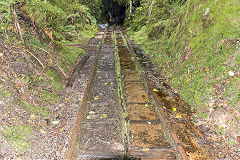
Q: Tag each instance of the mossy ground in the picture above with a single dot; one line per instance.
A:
(49, 97)
(19, 136)
(4, 92)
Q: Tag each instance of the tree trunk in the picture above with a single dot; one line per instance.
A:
(16, 24)
(131, 3)
(150, 10)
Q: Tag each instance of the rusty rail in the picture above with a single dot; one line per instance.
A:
(176, 142)
(76, 129)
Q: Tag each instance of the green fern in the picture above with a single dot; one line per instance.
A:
(46, 14)
(57, 13)
(5, 10)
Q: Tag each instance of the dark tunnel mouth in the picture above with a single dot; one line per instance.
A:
(113, 12)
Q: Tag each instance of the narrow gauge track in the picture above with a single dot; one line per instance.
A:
(119, 116)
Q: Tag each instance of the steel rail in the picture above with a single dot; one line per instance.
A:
(72, 143)
(176, 142)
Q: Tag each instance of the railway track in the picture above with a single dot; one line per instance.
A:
(120, 117)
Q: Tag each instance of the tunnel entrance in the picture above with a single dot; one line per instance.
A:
(113, 12)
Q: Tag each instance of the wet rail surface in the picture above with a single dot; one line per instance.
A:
(175, 112)
(120, 116)
(149, 138)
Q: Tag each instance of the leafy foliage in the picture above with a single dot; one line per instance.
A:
(56, 14)
(6, 15)
(194, 46)
(5, 11)
(94, 7)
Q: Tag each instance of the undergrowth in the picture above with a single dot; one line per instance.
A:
(48, 29)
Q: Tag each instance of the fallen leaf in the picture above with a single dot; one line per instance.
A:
(96, 98)
(55, 122)
(178, 116)
(61, 129)
(111, 83)
(146, 105)
(40, 77)
(88, 117)
(32, 116)
(155, 90)
(43, 131)
(174, 109)
(50, 35)
(106, 84)
(66, 99)
(103, 116)
(207, 69)
(221, 127)
(146, 149)
(113, 89)
(91, 112)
